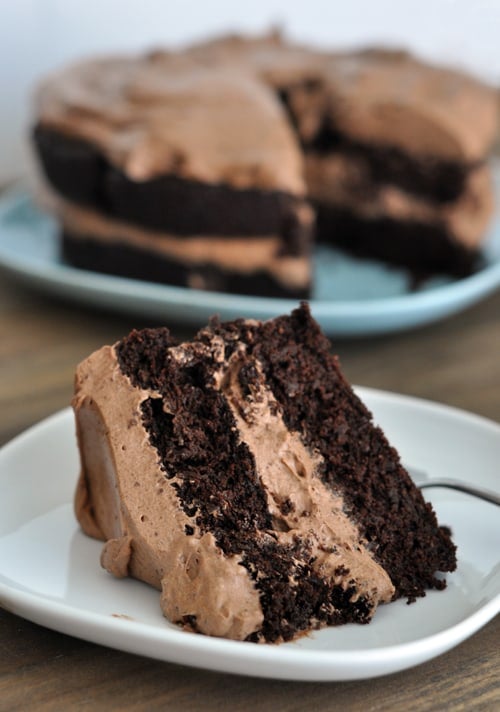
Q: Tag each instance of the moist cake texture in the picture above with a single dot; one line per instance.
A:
(239, 474)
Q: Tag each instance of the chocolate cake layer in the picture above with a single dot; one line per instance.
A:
(126, 260)
(383, 222)
(358, 461)
(422, 248)
(240, 264)
(439, 181)
(80, 172)
(435, 178)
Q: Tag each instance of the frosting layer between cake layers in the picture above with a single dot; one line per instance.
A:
(193, 260)
(339, 181)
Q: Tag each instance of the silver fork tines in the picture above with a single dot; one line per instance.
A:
(423, 481)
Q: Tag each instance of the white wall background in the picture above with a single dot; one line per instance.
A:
(37, 36)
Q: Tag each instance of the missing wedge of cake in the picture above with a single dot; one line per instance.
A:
(219, 167)
(240, 475)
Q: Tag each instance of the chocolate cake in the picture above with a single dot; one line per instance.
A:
(241, 475)
(249, 147)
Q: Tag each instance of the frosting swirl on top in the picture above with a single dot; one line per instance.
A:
(380, 96)
(157, 115)
(212, 112)
(391, 98)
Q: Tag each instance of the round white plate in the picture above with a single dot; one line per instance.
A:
(50, 573)
(351, 297)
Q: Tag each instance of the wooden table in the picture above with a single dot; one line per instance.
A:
(41, 340)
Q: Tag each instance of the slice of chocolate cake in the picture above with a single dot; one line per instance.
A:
(240, 475)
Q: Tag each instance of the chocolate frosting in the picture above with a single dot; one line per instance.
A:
(288, 471)
(241, 254)
(212, 112)
(381, 96)
(394, 99)
(270, 57)
(156, 115)
(129, 502)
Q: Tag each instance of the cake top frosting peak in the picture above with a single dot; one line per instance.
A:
(393, 98)
(154, 115)
(219, 111)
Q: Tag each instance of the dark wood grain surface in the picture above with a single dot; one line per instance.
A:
(456, 361)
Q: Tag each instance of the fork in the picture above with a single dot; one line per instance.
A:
(423, 481)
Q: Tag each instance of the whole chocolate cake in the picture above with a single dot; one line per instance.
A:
(241, 475)
(216, 166)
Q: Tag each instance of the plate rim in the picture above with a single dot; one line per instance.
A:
(405, 311)
(300, 663)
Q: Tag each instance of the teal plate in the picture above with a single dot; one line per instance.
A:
(352, 297)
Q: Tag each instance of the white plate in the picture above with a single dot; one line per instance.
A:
(351, 297)
(50, 573)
